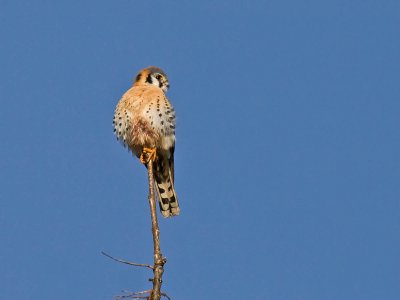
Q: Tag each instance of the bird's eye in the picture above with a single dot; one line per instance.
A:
(158, 77)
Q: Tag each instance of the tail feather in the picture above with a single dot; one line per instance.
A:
(163, 175)
(168, 201)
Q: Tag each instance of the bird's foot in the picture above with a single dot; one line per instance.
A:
(147, 155)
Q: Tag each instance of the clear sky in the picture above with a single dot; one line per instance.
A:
(287, 154)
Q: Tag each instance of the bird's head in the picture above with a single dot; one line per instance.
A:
(153, 76)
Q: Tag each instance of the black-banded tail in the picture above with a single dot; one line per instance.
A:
(163, 170)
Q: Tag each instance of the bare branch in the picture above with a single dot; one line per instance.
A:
(127, 262)
(159, 260)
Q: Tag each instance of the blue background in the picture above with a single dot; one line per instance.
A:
(287, 155)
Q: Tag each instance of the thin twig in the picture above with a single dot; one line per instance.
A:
(127, 262)
(138, 295)
(134, 295)
(131, 296)
(141, 293)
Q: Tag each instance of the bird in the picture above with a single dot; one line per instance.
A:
(144, 121)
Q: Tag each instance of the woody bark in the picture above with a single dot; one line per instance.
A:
(159, 260)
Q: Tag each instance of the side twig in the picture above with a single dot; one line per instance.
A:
(127, 262)
(138, 295)
(159, 260)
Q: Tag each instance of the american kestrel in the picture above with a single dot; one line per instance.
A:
(144, 120)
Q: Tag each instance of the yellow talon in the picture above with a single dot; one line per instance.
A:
(147, 155)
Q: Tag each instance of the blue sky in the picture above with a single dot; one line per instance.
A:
(287, 154)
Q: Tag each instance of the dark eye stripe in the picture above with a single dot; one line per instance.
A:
(148, 79)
